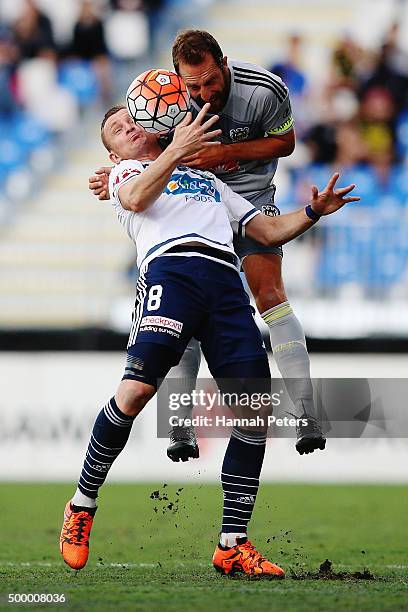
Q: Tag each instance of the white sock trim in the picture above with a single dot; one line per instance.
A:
(80, 499)
(230, 539)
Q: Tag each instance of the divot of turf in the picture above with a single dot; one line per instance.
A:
(326, 572)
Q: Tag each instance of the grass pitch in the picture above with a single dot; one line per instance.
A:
(151, 548)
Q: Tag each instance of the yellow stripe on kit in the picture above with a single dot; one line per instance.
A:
(277, 313)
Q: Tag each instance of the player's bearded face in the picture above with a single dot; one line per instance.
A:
(125, 138)
(207, 82)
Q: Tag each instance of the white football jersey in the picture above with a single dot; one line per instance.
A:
(194, 206)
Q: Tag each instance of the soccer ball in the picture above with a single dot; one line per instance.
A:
(157, 100)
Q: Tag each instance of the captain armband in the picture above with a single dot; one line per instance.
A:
(284, 127)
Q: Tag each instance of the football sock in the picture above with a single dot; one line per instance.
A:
(109, 436)
(82, 500)
(240, 482)
(289, 349)
(186, 373)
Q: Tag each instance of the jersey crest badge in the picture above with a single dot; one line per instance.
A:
(270, 210)
(239, 134)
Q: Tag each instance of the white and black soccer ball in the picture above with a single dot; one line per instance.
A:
(157, 100)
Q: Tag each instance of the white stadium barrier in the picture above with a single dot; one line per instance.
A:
(50, 400)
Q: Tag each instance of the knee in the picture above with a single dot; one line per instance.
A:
(132, 396)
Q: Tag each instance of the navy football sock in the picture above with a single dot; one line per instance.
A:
(109, 436)
(240, 482)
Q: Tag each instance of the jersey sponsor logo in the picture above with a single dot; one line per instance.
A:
(125, 174)
(270, 210)
(157, 320)
(183, 184)
(172, 186)
(282, 128)
(239, 134)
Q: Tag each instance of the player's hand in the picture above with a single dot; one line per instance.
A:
(98, 183)
(329, 200)
(211, 158)
(192, 136)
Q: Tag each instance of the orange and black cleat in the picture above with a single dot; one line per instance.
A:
(245, 559)
(75, 532)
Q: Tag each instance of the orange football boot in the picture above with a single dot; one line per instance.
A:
(74, 539)
(244, 558)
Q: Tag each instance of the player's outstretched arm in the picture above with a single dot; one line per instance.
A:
(274, 231)
(233, 153)
(189, 137)
(98, 183)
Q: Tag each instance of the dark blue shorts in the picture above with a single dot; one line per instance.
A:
(180, 297)
(264, 202)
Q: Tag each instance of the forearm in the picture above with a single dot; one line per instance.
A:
(274, 231)
(260, 148)
(142, 192)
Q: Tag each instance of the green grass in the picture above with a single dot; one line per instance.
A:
(146, 560)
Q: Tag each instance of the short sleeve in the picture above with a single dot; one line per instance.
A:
(122, 173)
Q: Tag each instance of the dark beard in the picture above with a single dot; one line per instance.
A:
(221, 99)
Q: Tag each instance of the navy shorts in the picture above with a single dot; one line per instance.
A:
(179, 297)
(264, 202)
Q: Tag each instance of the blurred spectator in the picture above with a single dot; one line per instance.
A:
(126, 5)
(345, 64)
(8, 60)
(289, 69)
(321, 142)
(33, 33)
(351, 149)
(153, 10)
(154, 13)
(386, 74)
(377, 125)
(89, 44)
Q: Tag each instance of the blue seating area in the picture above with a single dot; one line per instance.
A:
(367, 243)
(22, 134)
(80, 79)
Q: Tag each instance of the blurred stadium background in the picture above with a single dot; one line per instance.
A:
(67, 268)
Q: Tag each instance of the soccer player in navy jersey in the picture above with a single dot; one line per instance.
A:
(189, 286)
(257, 128)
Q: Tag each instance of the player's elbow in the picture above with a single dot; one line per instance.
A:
(134, 204)
(272, 240)
(263, 238)
(272, 235)
(262, 229)
(137, 206)
(288, 150)
(288, 143)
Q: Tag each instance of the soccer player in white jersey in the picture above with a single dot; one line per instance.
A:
(189, 286)
(257, 128)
